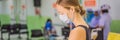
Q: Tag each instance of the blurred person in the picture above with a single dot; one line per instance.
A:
(105, 20)
(48, 26)
(95, 20)
(95, 32)
(71, 25)
(90, 15)
(50, 31)
(71, 11)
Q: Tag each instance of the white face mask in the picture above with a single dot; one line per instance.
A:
(64, 18)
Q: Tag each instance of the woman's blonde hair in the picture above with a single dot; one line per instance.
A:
(74, 3)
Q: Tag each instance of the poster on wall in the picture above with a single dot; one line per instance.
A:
(89, 3)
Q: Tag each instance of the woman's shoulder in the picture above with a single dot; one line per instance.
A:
(77, 33)
(78, 29)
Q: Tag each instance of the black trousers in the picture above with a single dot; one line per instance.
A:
(100, 34)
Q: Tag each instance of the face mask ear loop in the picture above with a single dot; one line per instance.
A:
(71, 28)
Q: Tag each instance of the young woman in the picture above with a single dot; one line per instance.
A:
(71, 11)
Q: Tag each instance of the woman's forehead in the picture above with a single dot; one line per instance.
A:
(63, 5)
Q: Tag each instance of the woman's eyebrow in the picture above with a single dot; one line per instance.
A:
(67, 7)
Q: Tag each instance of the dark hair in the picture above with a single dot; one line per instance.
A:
(49, 20)
(96, 12)
(105, 11)
(74, 3)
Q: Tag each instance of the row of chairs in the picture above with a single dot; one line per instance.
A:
(14, 29)
(19, 29)
(34, 28)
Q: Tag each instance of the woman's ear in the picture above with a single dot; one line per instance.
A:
(71, 12)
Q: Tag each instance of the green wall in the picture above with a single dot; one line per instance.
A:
(115, 26)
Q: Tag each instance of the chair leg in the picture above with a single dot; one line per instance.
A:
(9, 36)
(1, 36)
(28, 36)
(19, 36)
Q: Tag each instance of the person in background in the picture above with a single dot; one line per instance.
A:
(50, 31)
(90, 15)
(96, 34)
(95, 20)
(48, 26)
(71, 25)
(105, 20)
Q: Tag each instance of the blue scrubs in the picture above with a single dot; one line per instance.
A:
(94, 22)
(48, 26)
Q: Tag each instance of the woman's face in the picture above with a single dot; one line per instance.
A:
(69, 10)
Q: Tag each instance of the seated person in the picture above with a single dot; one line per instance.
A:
(48, 26)
(49, 29)
(71, 25)
(95, 20)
